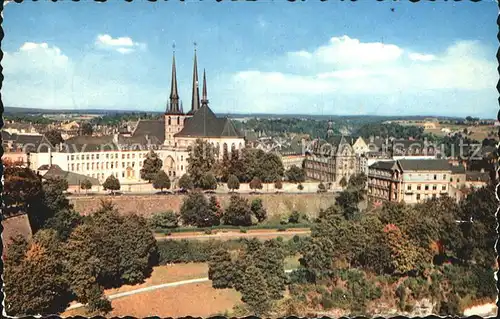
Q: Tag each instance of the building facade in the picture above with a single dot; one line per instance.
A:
(123, 155)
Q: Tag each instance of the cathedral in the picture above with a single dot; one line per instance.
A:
(123, 155)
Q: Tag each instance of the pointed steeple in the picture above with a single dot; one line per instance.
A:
(195, 97)
(173, 106)
(204, 99)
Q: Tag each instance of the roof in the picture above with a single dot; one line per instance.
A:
(424, 165)
(72, 178)
(457, 169)
(204, 123)
(31, 143)
(386, 165)
(150, 128)
(474, 176)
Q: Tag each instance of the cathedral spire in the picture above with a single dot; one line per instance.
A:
(204, 99)
(174, 94)
(195, 98)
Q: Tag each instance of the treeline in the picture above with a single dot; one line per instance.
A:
(70, 257)
(390, 130)
(314, 128)
(396, 254)
(117, 120)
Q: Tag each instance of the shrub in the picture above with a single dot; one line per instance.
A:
(281, 228)
(238, 213)
(243, 230)
(258, 210)
(208, 231)
(168, 219)
(294, 217)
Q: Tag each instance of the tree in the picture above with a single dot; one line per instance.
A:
(185, 182)
(86, 185)
(233, 183)
(54, 196)
(258, 210)
(295, 174)
(255, 184)
(348, 201)
(86, 129)
(300, 187)
(271, 167)
(215, 209)
(161, 181)
(208, 182)
(195, 211)
(111, 183)
(54, 137)
(321, 188)
(63, 222)
(168, 219)
(254, 291)
(34, 279)
(201, 160)
(238, 213)
(404, 255)
(278, 184)
(220, 269)
(151, 166)
(343, 182)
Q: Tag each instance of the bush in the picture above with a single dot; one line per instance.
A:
(294, 217)
(243, 230)
(164, 220)
(238, 213)
(258, 210)
(208, 231)
(281, 228)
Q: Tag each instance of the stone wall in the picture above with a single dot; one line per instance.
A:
(146, 205)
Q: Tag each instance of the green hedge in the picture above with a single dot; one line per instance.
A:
(228, 227)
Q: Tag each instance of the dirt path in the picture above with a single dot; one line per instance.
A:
(232, 235)
(151, 288)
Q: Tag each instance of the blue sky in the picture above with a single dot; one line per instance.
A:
(270, 57)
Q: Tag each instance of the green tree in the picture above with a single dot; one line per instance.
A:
(343, 182)
(271, 167)
(195, 211)
(278, 184)
(185, 182)
(220, 269)
(215, 209)
(300, 187)
(208, 182)
(86, 185)
(233, 182)
(255, 184)
(151, 166)
(295, 174)
(168, 219)
(35, 282)
(86, 129)
(201, 160)
(321, 188)
(54, 137)
(258, 210)
(63, 222)
(53, 194)
(161, 181)
(238, 212)
(404, 254)
(254, 291)
(111, 183)
(348, 201)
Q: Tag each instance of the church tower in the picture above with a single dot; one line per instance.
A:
(204, 99)
(195, 96)
(174, 117)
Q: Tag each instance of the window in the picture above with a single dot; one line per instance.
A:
(92, 156)
(458, 180)
(435, 177)
(434, 187)
(88, 166)
(87, 157)
(128, 156)
(409, 187)
(123, 156)
(123, 174)
(418, 187)
(112, 165)
(116, 164)
(433, 196)
(123, 164)
(444, 177)
(107, 165)
(72, 157)
(67, 157)
(451, 179)
(426, 187)
(92, 166)
(72, 167)
(182, 167)
(107, 156)
(77, 157)
(77, 167)
(97, 156)
(140, 164)
(418, 196)
(182, 158)
(444, 187)
(133, 164)
(133, 155)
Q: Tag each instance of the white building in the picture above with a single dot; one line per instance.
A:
(123, 155)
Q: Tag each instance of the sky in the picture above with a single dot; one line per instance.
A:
(311, 57)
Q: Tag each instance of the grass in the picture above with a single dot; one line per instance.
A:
(229, 227)
(292, 262)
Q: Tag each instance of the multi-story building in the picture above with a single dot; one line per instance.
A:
(170, 137)
(409, 180)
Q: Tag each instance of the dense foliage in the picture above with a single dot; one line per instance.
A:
(151, 167)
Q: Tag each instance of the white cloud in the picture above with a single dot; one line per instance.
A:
(421, 57)
(349, 67)
(347, 51)
(122, 45)
(40, 75)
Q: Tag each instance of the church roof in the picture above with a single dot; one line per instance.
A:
(154, 129)
(205, 123)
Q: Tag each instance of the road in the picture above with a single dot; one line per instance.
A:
(230, 235)
(151, 288)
